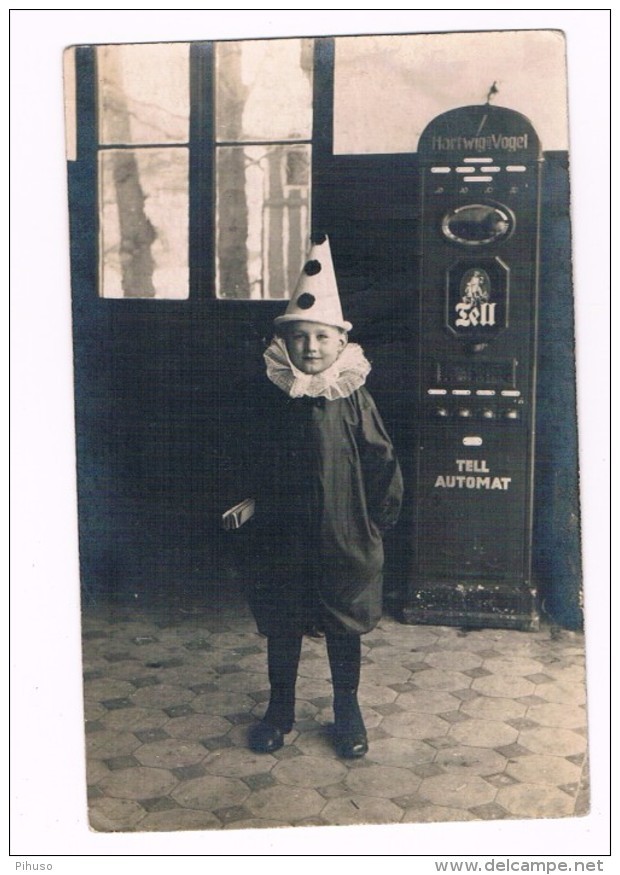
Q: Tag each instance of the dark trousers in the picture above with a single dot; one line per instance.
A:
(283, 652)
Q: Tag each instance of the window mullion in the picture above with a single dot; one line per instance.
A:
(201, 171)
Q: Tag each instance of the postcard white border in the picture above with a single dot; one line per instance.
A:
(49, 811)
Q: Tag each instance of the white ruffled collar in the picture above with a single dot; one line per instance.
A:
(340, 380)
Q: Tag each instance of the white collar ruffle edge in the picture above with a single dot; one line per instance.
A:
(340, 380)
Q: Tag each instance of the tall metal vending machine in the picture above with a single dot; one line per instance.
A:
(472, 542)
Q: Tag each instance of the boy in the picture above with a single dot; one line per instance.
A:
(327, 486)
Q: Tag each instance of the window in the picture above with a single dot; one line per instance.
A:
(263, 127)
(143, 117)
(262, 110)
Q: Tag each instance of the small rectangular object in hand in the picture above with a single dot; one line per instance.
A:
(236, 516)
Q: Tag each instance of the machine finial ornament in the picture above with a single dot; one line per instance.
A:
(493, 90)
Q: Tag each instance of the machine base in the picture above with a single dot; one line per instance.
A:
(475, 604)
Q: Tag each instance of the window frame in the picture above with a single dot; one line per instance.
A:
(201, 173)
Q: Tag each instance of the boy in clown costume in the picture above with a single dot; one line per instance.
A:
(327, 486)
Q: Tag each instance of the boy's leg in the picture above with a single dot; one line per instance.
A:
(344, 653)
(282, 660)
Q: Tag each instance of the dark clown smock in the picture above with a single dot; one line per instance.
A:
(327, 486)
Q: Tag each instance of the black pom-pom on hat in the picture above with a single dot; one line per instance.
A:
(305, 301)
(318, 237)
(312, 267)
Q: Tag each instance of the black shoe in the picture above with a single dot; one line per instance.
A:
(264, 738)
(350, 745)
(350, 740)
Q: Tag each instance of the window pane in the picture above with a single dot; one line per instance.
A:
(263, 195)
(143, 93)
(143, 219)
(264, 90)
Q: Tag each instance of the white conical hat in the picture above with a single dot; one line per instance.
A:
(316, 297)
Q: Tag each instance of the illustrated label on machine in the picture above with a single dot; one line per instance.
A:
(477, 292)
(475, 308)
(472, 474)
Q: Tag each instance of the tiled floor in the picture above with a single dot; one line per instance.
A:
(463, 725)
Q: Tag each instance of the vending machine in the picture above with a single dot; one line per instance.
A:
(480, 172)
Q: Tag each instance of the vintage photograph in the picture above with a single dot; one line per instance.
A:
(326, 431)
(310, 487)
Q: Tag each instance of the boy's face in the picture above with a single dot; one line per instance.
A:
(314, 347)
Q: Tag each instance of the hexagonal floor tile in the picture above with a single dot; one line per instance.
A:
(535, 800)
(161, 696)
(470, 760)
(141, 782)
(493, 708)
(438, 679)
(170, 753)
(457, 791)
(361, 809)
(289, 804)
(310, 771)
(558, 715)
(114, 815)
(179, 819)
(436, 814)
(211, 792)
(553, 742)
(454, 660)
(509, 687)
(412, 724)
(400, 752)
(384, 781)
(427, 701)
(538, 769)
(219, 704)
(484, 733)
(509, 666)
(238, 762)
